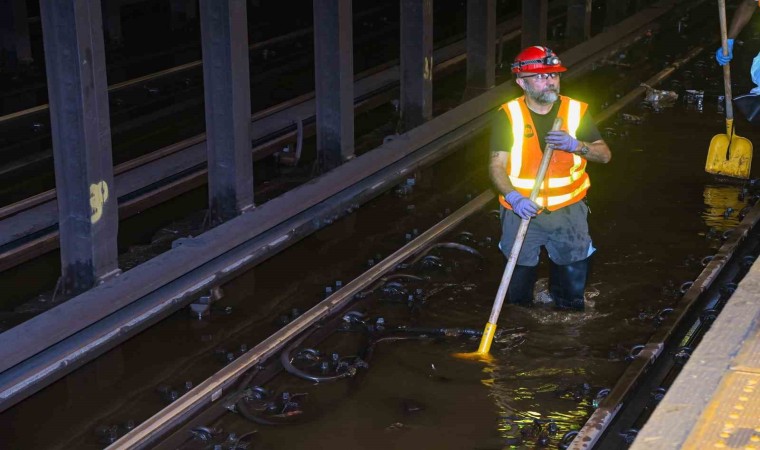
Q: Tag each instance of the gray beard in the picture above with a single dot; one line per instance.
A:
(542, 97)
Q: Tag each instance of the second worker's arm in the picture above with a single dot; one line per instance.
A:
(741, 18)
(742, 15)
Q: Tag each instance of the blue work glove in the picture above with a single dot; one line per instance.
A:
(522, 206)
(723, 60)
(560, 140)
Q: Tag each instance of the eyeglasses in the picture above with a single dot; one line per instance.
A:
(544, 76)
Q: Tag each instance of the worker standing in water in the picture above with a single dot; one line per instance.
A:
(520, 131)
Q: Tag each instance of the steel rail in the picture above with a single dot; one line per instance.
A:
(636, 93)
(54, 362)
(663, 371)
(45, 348)
(211, 390)
(603, 416)
(181, 68)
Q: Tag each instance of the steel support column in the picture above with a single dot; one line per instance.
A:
(224, 35)
(21, 32)
(416, 62)
(76, 79)
(481, 45)
(535, 15)
(578, 25)
(334, 81)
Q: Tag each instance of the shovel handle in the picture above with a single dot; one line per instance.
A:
(727, 66)
(521, 232)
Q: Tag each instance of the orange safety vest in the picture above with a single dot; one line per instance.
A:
(566, 180)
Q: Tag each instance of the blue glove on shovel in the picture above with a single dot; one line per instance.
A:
(522, 206)
(723, 60)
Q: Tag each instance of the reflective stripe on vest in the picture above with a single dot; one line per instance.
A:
(559, 189)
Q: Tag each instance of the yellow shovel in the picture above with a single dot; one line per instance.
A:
(490, 330)
(729, 155)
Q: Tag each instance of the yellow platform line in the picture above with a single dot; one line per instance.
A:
(732, 418)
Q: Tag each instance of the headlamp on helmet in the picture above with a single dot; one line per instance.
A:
(537, 59)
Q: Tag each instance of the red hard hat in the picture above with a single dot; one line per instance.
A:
(537, 59)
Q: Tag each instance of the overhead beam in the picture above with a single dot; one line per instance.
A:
(535, 15)
(226, 81)
(481, 41)
(416, 62)
(81, 132)
(334, 81)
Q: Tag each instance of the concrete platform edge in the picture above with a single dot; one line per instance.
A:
(674, 420)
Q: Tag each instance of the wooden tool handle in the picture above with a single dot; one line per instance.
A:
(521, 232)
(727, 66)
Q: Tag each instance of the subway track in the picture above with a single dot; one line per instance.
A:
(441, 321)
(676, 330)
(146, 180)
(254, 386)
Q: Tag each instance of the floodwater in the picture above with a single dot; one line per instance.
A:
(654, 215)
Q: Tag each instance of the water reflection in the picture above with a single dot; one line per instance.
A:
(538, 402)
(722, 206)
